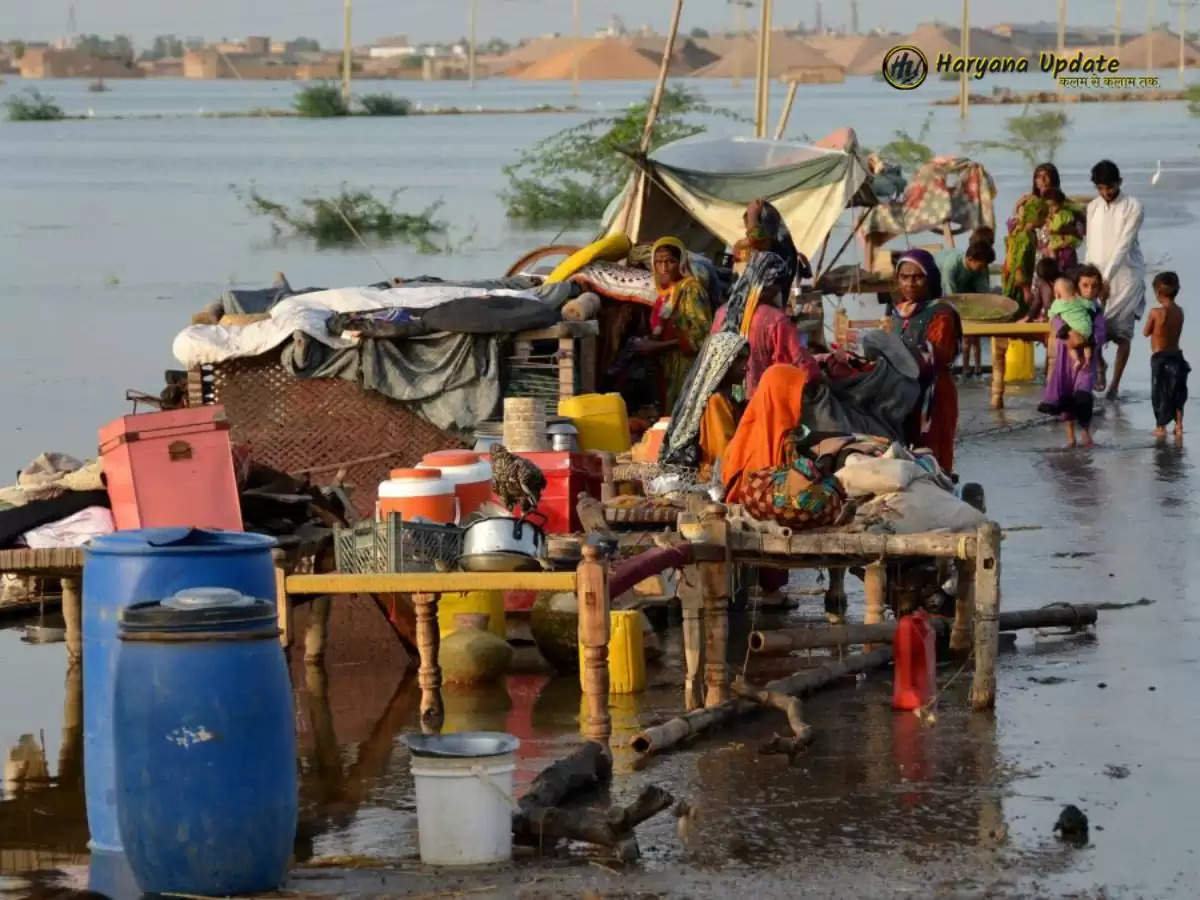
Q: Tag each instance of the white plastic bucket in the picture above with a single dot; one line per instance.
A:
(464, 808)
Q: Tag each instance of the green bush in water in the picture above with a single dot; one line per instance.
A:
(349, 214)
(570, 177)
(32, 106)
(385, 105)
(1035, 136)
(1192, 96)
(321, 101)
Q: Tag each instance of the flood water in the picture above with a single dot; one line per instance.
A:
(116, 231)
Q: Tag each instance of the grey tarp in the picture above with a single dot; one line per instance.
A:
(450, 380)
(877, 402)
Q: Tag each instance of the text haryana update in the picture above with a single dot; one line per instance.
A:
(1051, 63)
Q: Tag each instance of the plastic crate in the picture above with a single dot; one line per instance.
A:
(395, 545)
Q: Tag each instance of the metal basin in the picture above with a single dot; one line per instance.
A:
(464, 744)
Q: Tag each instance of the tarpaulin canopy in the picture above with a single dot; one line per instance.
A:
(702, 184)
(953, 191)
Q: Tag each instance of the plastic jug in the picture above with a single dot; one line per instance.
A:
(1018, 361)
(915, 658)
(600, 419)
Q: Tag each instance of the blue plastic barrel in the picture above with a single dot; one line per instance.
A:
(131, 567)
(205, 745)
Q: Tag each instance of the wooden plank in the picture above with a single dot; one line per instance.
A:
(564, 329)
(429, 582)
(1006, 329)
(836, 543)
(46, 561)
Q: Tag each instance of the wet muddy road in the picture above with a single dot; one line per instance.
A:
(880, 805)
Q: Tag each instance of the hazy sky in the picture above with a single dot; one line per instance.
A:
(446, 19)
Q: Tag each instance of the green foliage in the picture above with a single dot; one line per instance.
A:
(385, 105)
(321, 101)
(570, 177)
(906, 151)
(18, 50)
(1035, 136)
(1192, 96)
(349, 214)
(32, 106)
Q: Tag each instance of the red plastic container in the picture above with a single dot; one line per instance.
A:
(567, 474)
(171, 468)
(915, 677)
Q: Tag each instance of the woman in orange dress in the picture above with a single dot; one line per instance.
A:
(932, 330)
(775, 409)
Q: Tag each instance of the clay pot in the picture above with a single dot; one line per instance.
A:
(472, 655)
(554, 624)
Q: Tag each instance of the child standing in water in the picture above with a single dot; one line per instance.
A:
(1168, 368)
(1077, 314)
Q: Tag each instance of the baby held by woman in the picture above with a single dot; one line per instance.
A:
(1077, 314)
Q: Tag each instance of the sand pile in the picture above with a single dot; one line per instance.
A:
(786, 53)
(603, 59)
(858, 54)
(934, 39)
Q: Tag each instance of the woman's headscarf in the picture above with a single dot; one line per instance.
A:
(923, 260)
(1051, 170)
(685, 272)
(771, 234)
(763, 271)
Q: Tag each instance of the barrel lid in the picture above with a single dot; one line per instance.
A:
(416, 474)
(182, 539)
(449, 458)
(208, 608)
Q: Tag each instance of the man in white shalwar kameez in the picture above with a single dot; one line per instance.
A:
(1113, 222)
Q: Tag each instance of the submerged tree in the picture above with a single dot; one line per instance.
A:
(349, 215)
(571, 176)
(1192, 96)
(1035, 136)
(905, 150)
(32, 106)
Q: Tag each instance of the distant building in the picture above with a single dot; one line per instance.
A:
(52, 63)
(258, 45)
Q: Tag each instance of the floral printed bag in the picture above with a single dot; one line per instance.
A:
(797, 495)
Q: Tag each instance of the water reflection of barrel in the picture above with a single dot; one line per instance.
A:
(136, 566)
(205, 746)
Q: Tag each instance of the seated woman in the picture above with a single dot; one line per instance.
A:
(680, 320)
(773, 336)
(932, 330)
(758, 443)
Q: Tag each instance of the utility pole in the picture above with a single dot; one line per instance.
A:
(764, 71)
(965, 49)
(1117, 31)
(1062, 36)
(1183, 6)
(346, 62)
(1149, 35)
(739, 31)
(575, 55)
(471, 11)
(818, 25)
(854, 16)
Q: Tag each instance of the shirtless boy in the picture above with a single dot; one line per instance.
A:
(1168, 368)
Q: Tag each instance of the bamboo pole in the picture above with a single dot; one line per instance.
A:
(429, 675)
(987, 625)
(576, 48)
(1117, 30)
(936, 544)
(784, 115)
(965, 42)
(660, 86)
(594, 631)
(471, 15)
(787, 640)
(764, 68)
(1149, 35)
(347, 62)
(72, 610)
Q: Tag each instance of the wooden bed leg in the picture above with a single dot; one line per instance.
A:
(318, 629)
(875, 594)
(835, 596)
(691, 602)
(714, 584)
(964, 609)
(72, 610)
(987, 611)
(594, 629)
(429, 675)
(999, 356)
(283, 603)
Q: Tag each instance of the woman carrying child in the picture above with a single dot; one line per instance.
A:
(1069, 385)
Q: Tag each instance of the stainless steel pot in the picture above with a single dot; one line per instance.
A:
(564, 436)
(503, 543)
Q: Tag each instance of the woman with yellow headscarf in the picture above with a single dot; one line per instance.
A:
(681, 318)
